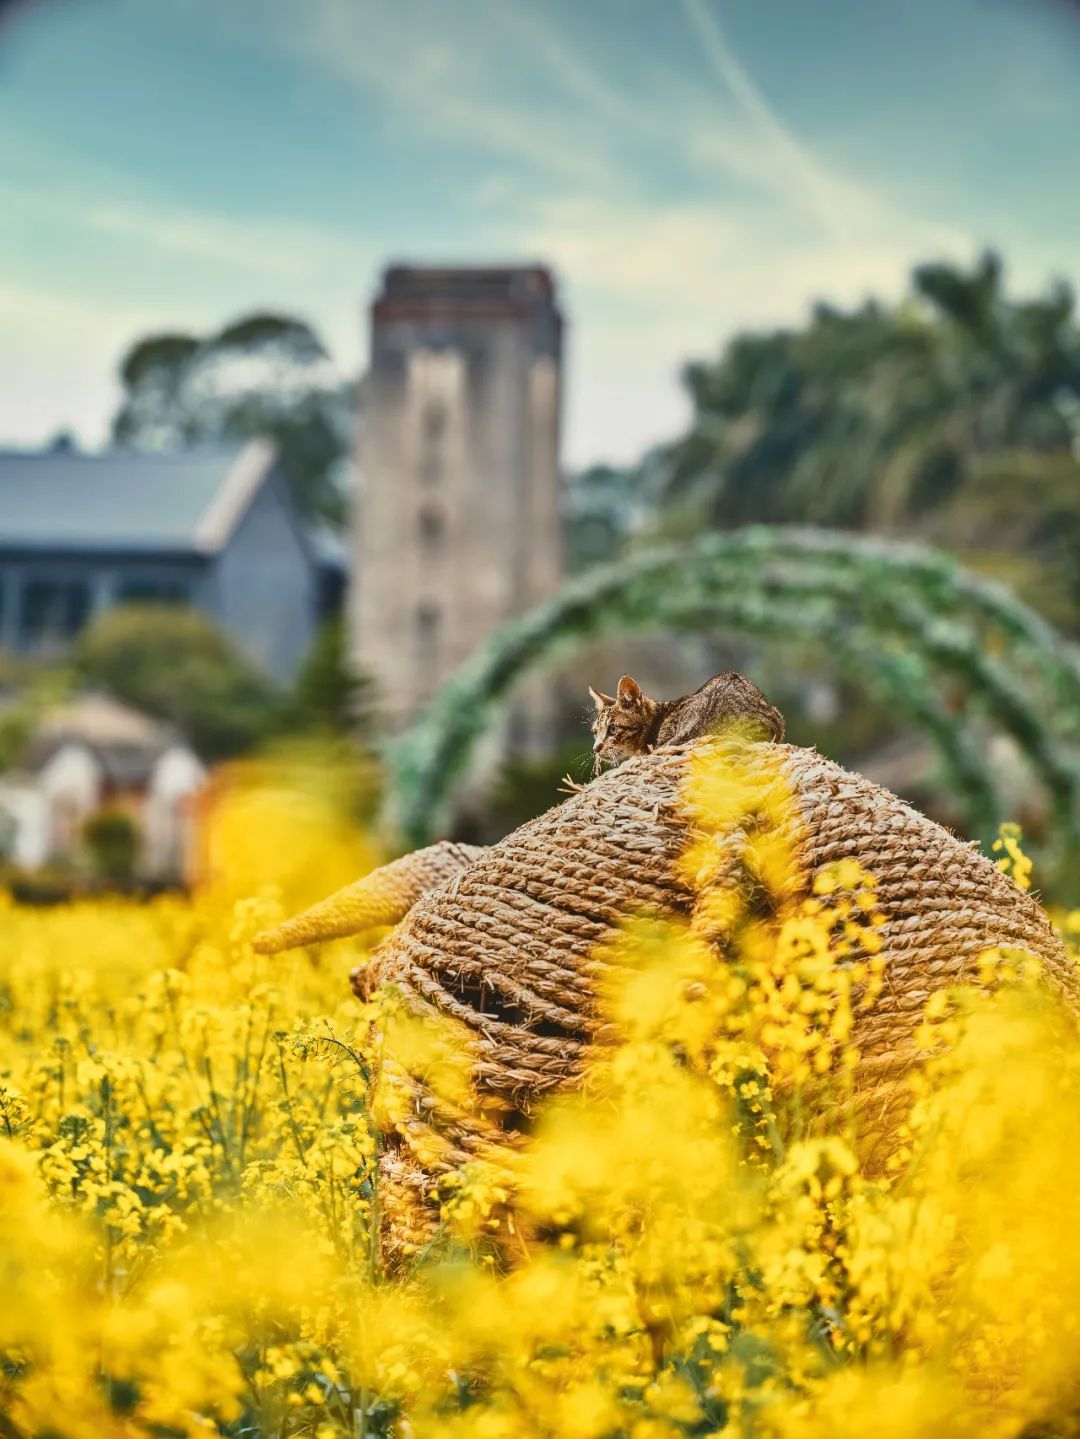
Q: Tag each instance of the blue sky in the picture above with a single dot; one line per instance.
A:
(689, 167)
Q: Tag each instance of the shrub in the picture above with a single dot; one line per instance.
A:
(177, 665)
(112, 843)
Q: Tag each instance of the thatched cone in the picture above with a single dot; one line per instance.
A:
(512, 947)
(383, 897)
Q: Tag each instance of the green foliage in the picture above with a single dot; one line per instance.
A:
(333, 769)
(525, 788)
(601, 508)
(158, 357)
(264, 374)
(946, 652)
(28, 689)
(16, 724)
(331, 695)
(891, 418)
(177, 665)
(252, 331)
(112, 843)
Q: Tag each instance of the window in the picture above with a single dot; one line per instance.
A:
(428, 628)
(52, 609)
(153, 592)
(432, 433)
(434, 422)
(430, 524)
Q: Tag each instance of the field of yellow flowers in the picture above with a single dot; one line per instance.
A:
(191, 1219)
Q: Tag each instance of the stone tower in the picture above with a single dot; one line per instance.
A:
(458, 524)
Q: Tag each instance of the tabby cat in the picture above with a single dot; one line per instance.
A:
(629, 722)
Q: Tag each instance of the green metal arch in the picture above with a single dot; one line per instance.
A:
(908, 621)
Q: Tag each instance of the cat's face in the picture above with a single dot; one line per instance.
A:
(622, 723)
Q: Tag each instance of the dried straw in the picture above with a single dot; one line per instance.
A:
(509, 940)
(383, 897)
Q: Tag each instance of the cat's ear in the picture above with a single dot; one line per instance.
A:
(601, 701)
(629, 693)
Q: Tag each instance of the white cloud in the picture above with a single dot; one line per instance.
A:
(265, 245)
(648, 288)
(766, 224)
(582, 170)
(444, 72)
(62, 343)
(497, 76)
(58, 363)
(567, 65)
(795, 160)
(272, 247)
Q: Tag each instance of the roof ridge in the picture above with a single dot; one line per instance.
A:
(184, 502)
(192, 453)
(228, 506)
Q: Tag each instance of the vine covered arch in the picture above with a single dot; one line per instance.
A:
(950, 651)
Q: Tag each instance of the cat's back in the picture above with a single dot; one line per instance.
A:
(725, 699)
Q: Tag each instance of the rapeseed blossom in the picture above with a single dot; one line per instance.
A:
(193, 1218)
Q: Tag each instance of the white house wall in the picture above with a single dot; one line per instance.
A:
(168, 820)
(25, 820)
(71, 782)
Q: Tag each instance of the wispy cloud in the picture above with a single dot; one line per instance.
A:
(453, 92)
(81, 389)
(503, 78)
(797, 162)
(762, 224)
(567, 65)
(675, 201)
(269, 245)
(217, 267)
(650, 287)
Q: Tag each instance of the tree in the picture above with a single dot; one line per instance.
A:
(913, 419)
(602, 507)
(265, 374)
(178, 666)
(152, 373)
(331, 695)
(867, 418)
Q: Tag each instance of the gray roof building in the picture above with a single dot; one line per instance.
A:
(215, 529)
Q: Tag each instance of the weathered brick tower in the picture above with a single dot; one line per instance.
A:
(458, 523)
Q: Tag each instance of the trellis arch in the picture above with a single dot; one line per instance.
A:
(942, 645)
